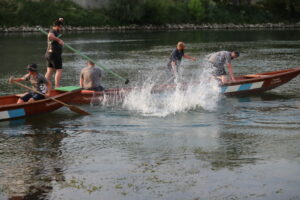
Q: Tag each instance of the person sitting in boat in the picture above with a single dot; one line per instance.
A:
(38, 81)
(218, 61)
(175, 59)
(90, 77)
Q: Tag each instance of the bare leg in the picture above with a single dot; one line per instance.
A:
(49, 73)
(58, 77)
(223, 78)
(20, 101)
(31, 100)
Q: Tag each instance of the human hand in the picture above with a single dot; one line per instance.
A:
(61, 42)
(11, 80)
(47, 95)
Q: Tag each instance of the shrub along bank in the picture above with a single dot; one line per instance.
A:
(143, 12)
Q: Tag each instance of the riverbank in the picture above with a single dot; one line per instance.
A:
(161, 27)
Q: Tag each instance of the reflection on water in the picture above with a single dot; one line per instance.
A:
(29, 164)
(31, 156)
(182, 146)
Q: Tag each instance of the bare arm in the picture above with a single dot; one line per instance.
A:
(189, 57)
(231, 72)
(81, 81)
(51, 36)
(49, 86)
(12, 79)
(18, 79)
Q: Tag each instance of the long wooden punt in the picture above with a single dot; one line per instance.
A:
(257, 83)
(244, 85)
(9, 109)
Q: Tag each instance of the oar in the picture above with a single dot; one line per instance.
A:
(71, 107)
(90, 59)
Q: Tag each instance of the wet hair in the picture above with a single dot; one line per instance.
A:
(236, 53)
(32, 67)
(59, 22)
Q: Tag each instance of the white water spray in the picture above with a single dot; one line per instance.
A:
(200, 91)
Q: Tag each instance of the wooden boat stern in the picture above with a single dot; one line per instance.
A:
(254, 83)
(9, 109)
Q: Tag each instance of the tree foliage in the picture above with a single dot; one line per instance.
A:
(43, 12)
(197, 10)
(124, 12)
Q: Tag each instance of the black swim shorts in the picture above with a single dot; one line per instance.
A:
(54, 60)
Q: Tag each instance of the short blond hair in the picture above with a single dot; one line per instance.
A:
(181, 45)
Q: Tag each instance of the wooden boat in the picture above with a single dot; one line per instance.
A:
(244, 85)
(89, 96)
(257, 83)
(9, 109)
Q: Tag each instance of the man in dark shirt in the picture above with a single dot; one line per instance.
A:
(54, 51)
(38, 81)
(176, 57)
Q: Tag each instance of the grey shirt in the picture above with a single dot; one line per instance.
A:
(39, 82)
(91, 77)
(219, 58)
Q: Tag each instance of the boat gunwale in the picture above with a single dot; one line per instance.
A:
(26, 104)
(252, 80)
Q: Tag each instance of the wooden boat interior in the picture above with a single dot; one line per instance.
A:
(6, 100)
(12, 99)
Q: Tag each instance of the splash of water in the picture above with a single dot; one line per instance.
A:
(202, 91)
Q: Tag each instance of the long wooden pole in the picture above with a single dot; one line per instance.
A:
(90, 59)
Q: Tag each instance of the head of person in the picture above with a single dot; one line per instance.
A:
(58, 24)
(234, 54)
(32, 68)
(180, 46)
(90, 63)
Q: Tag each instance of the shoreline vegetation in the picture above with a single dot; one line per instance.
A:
(26, 15)
(170, 27)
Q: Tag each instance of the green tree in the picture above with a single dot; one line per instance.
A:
(157, 11)
(125, 11)
(288, 10)
(197, 10)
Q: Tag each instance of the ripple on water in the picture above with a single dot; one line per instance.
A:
(242, 149)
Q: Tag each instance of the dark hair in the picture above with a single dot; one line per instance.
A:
(90, 62)
(32, 67)
(236, 53)
(59, 22)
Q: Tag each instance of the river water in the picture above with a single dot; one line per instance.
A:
(195, 145)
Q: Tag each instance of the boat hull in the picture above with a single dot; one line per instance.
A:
(244, 85)
(111, 95)
(10, 110)
(258, 83)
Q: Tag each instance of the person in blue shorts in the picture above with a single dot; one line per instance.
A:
(38, 81)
